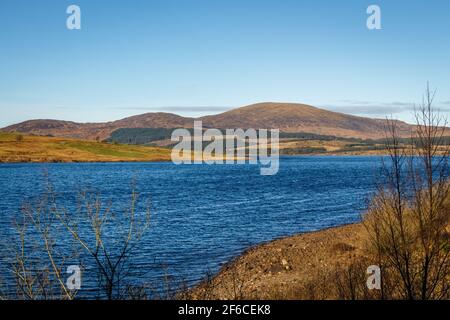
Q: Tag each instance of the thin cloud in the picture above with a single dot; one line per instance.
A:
(356, 102)
(372, 108)
(381, 108)
(178, 108)
(68, 108)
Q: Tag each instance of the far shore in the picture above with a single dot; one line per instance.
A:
(25, 160)
(20, 148)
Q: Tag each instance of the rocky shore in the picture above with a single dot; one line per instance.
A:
(286, 268)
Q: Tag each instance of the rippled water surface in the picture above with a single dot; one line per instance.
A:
(204, 215)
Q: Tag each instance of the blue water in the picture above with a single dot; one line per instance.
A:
(203, 215)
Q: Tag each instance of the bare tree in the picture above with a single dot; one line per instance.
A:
(408, 218)
(95, 232)
(37, 264)
(111, 254)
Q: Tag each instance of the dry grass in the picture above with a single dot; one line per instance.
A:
(23, 148)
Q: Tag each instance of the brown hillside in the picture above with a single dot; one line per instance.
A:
(287, 117)
(91, 131)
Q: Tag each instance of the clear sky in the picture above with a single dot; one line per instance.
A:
(195, 57)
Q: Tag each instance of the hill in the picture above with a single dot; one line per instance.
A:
(94, 131)
(287, 117)
(18, 148)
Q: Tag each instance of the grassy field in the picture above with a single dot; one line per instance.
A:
(330, 147)
(23, 148)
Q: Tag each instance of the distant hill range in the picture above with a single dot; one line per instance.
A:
(288, 117)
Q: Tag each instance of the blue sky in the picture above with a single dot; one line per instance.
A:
(195, 57)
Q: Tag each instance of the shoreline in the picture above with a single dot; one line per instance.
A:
(283, 268)
(85, 161)
(2, 161)
(18, 148)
